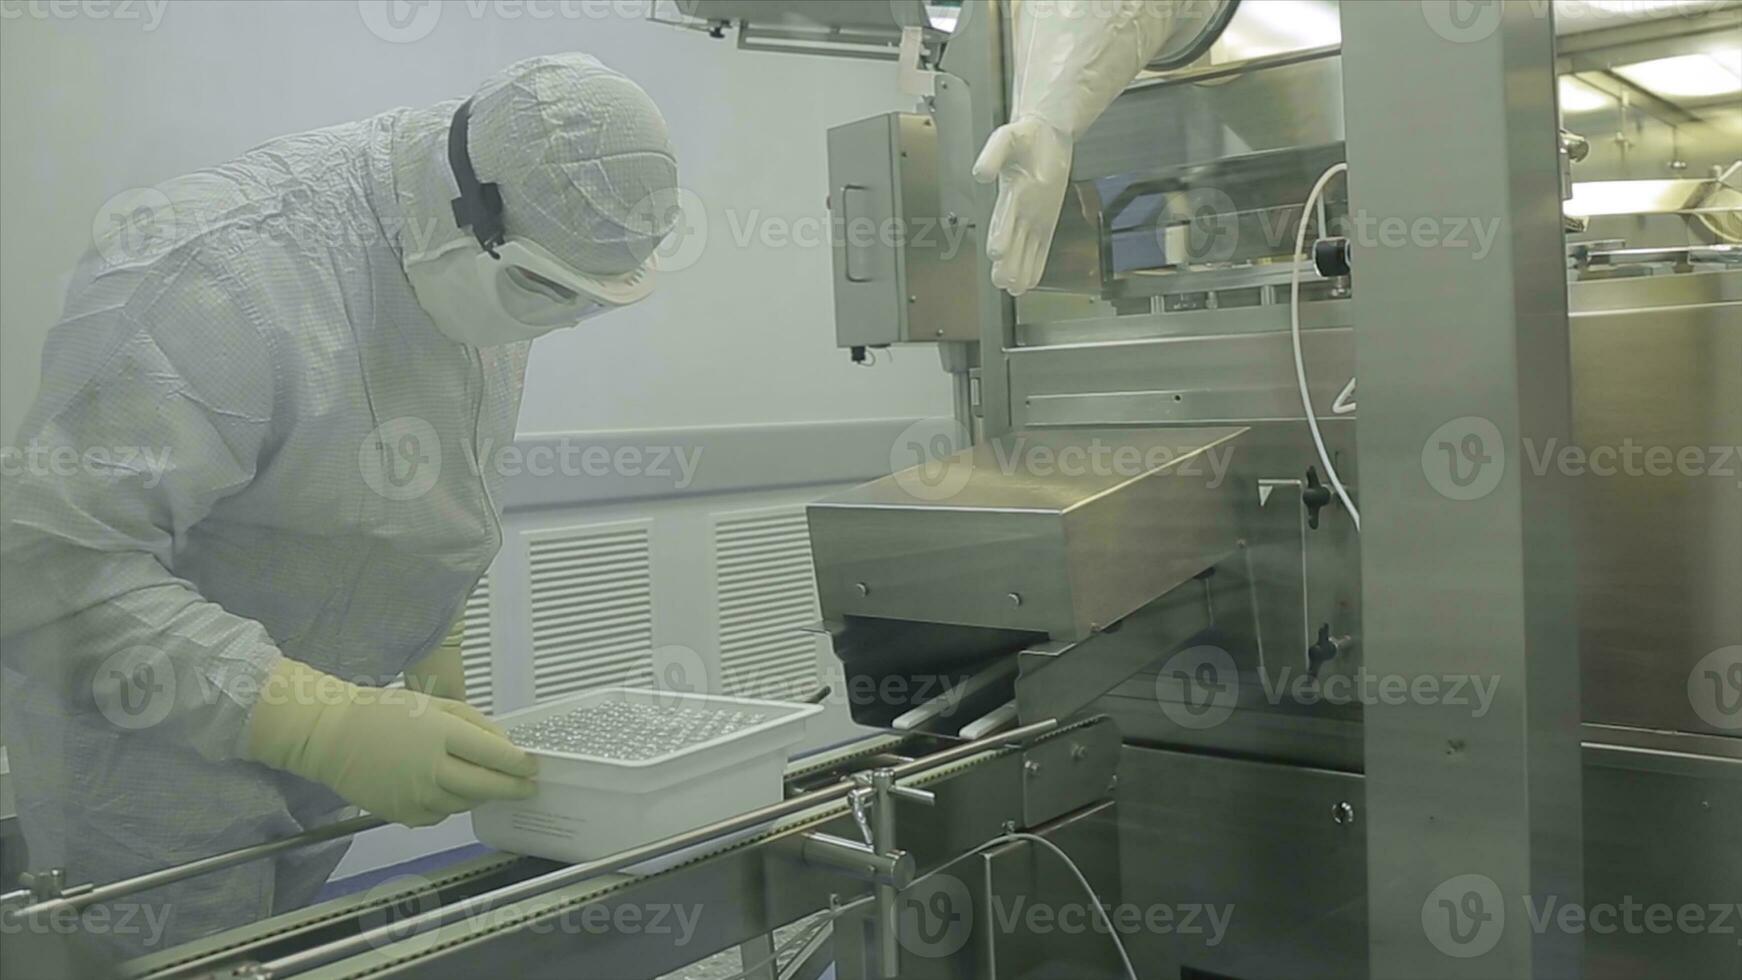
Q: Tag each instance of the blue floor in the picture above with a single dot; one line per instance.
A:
(426, 865)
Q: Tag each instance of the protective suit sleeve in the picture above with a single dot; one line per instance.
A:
(155, 404)
(1072, 59)
(442, 673)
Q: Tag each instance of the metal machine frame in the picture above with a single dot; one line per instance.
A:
(1449, 794)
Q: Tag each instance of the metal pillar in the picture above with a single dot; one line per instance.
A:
(1461, 349)
(972, 101)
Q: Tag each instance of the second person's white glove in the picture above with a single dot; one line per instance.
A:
(1073, 58)
(1031, 160)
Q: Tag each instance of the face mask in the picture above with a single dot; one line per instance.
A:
(518, 294)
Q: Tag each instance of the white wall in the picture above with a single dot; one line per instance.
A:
(90, 107)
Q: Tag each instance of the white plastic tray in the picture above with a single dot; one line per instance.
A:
(591, 805)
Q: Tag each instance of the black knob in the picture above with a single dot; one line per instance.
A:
(1322, 649)
(1316, 496)
(1331, 257)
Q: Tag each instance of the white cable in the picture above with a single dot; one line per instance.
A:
(806, 935)
(1013, 837)
(1300, 376)
(1010, 838)
(1094, 899)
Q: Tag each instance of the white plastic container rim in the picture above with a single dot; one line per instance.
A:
(785, 713)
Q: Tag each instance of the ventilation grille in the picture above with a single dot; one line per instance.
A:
(591, 593)
(475, 649)
(767, 595)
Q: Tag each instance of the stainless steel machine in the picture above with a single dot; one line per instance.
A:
(1491, 731)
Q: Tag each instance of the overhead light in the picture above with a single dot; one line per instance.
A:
(1598, 198)
(943, 18)
(1577, 16)
(1634, 9)
(1267, 27)
(1688, 76)
(1577, 96)
(1626, 7)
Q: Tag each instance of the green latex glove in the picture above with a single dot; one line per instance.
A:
(400, 754)
(442, 673)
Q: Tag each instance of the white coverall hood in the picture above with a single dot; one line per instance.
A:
(584, 165)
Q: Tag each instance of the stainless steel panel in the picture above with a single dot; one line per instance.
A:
(1457, 582)
(1178, 380)
(1248, 687)
(1657, 467)
(863, 193)
(1319, 736)
(1656, 292)
(1053, 531)
(1255, 842)
(938, 250)
(1098, 327)
(1661, 848)
(1655, 362)
(1058, 775)
(1662, 835)
(899, 263)
(1657, 742)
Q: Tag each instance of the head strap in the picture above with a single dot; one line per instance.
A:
(479, 206)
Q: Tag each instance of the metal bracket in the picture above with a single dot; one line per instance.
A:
(1060, 773)
(884, 792)
(912, 76)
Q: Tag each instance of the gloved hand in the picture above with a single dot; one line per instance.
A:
(400, 754)
(442, 674)
(1031, 160)
(1072, 59)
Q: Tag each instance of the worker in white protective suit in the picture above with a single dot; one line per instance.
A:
(1072, 59)
(316, 345)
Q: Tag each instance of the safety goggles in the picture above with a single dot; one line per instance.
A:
(529, 284)
(534, 287)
